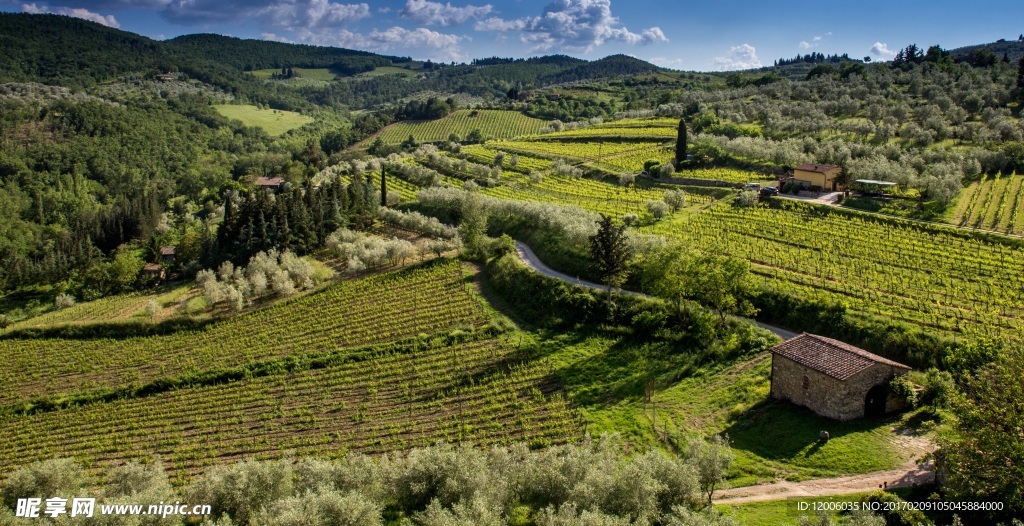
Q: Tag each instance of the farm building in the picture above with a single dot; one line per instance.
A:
(832, 378)
(167, 253)
(270, 183)
(153, 271)
(823, 176)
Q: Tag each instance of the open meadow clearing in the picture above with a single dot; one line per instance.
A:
(274, 122)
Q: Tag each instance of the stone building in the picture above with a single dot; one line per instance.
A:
(832, 378)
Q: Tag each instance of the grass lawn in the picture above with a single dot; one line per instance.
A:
(605, 376)
(274, 122)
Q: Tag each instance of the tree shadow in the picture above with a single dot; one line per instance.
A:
(780, 431)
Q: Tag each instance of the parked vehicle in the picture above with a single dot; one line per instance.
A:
(769, 191)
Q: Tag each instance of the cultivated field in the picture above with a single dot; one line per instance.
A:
(274, 122)
(378, 309)
(994, 203)
(371, 401)
(940, 279)
(491, 123)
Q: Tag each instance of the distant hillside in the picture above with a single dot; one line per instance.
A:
(1014, 49)
(610, 66)
(70, 51)
(247, 54)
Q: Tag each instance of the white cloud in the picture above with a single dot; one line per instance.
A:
(420, 42)
(436, 13)
(818, 38)
(274, 37)
(882, 50)
(743, 56)
(671, 63)
(76, 12)
(805, 44)
(311, 14)
(292, 15)
(572, 25)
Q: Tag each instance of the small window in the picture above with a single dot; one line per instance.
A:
(807, 382)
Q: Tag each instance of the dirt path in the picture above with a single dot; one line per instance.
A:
(913, 472)
(893, 478)
(531, 260)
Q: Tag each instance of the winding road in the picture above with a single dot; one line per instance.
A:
(531, 260)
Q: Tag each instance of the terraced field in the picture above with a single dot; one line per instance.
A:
(596, 196)
(370, 402)
(994, 203)
(377, 309)
(499, 124)
(583, 151)
(111, 309)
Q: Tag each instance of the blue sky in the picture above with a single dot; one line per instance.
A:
(704, 36)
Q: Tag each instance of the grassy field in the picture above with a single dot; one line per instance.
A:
(274, 122)
(321, 74)
(492, 123)
(388, 70)
(993, 203)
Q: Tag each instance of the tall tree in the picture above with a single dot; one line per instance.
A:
(383, 186)
(1020, 79)
(681, 143)
(610, 252)
(985, 454)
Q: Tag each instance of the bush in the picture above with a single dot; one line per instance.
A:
(243, 490)
(49, 478)
(938, 388)
(746, 198)
(63, 301)
(658, 209)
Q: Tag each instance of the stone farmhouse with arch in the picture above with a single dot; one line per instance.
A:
(834, 379)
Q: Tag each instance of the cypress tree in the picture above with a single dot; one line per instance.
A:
(1020, 79)
(383, 186)
(681, 143)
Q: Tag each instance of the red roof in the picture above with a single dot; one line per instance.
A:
(832, 357)
(270, 181)
(818, 168)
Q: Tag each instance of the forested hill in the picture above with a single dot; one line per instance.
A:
(71, 52)
(247, 55)
(1012, 49)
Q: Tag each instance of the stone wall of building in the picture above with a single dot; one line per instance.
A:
(825, 395)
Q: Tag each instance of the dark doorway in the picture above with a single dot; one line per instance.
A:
(874, 402)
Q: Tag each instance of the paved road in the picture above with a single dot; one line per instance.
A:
(531, 260)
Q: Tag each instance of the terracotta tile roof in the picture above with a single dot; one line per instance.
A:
(152, 268)
(269, 181)
(831, 357)
(817, 168)
(167, 251)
